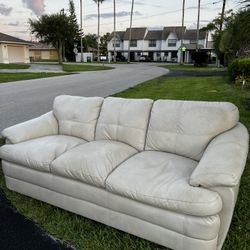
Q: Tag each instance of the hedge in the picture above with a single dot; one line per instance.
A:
(239, 67)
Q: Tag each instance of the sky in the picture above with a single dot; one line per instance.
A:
(14, 14)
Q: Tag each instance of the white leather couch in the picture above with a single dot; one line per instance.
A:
(167, 171)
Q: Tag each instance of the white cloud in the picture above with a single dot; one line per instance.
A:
(4, 10)
(37, 6)
(111, 14)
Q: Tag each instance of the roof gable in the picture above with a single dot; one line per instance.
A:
(136, 33)
(175, 29)
(154, 35)
(119, 35)
(191, 34)
(11, 39)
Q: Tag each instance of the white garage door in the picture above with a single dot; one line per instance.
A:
(16, 54)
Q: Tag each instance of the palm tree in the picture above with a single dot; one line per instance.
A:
(182, 30)
(130, 29)
(114, 31)
(98, 2)
(246, 3)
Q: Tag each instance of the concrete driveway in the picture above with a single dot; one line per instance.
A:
(23, 100)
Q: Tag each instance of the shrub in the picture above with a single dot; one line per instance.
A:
(239, 67)
(200, 58)
(243, 80)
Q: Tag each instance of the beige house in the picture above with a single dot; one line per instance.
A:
(41, 51)
(13, 50)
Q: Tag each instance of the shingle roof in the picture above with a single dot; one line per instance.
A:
(174, 29)
(41, 46)
(192, 46)
(136, 33)
(12, 39)
(119, 34)
(154, 35)
(191, 34)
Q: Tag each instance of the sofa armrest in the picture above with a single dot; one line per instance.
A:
(38, 127)
(224, 159)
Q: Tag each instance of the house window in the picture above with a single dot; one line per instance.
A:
(133, 43)
(117, 43)
(152, 43)
(172, 42)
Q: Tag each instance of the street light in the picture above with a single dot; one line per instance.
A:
(81, 30)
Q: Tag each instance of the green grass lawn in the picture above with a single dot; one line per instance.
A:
(14, 66)
(192, 68)
(10, 77)
(87, 234)
(81, 67)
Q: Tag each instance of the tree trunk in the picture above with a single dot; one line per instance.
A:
(130, 29)
(182, 31)
(98, 34)
(60, 51)
(114, 31)
(198, 26)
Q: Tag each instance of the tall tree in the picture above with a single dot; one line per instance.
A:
(69, 41)
(98, 2)
(90, 41)
(114, 31)
(182, 30)
(198, 26)
(55, 29)
(104, 43)
(214, 27)
(246, 3)
(234, 39)
(130, 29)
(238, 29)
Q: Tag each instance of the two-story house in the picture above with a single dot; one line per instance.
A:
(189, 43)
(171, 42)
(122, 41)
(159, 45)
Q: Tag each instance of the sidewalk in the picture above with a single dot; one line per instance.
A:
(36, 68)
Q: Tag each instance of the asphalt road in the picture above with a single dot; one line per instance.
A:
(23, 100)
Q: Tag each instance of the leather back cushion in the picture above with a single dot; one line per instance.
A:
(77, 116)
(124, 120)
(186, 127)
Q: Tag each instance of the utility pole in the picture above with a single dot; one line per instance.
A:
(182, 30)
(114, 32)
(222, 14)
(130, 29)
(63, 44)
(221, 25)
(198, 26)
(81, 30)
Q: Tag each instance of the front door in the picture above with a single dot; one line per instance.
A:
(132, 56)
(151, 55)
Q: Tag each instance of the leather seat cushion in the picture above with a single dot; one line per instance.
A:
(186, 127)
(77, 115)
(162, 180)
(92, 162)
(124, 120)
(39, 153)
